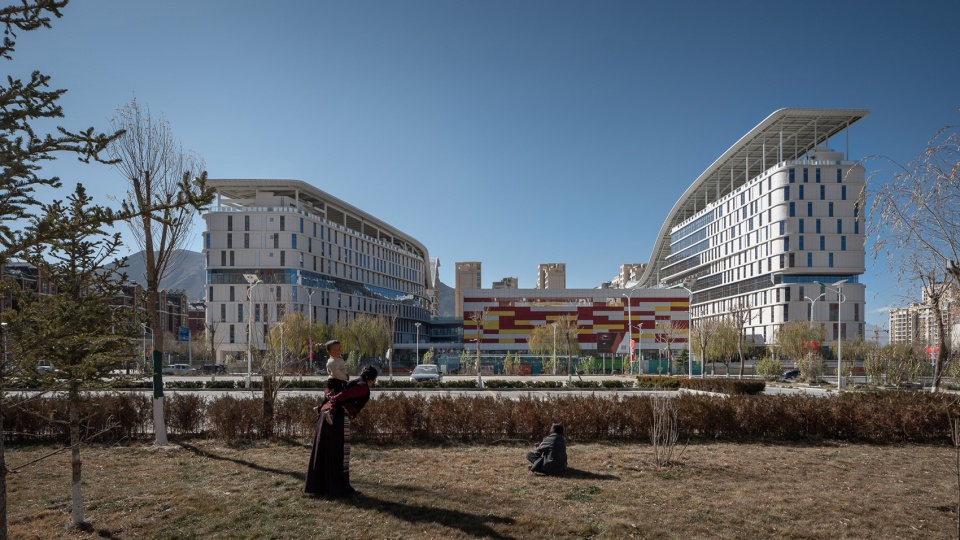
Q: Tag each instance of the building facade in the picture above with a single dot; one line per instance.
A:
(552, 276)
(312, 253)
(656, 318)
(772, 219)
(507, 283)
(916, 324)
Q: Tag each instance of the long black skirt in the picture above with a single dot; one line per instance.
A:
(328, 473)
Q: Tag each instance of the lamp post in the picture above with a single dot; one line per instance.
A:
(310, 329)
(683, 285)
(418, 342)
(838, 288)
(629, 298)
(554, 325)
(253, 280)
(813, 304)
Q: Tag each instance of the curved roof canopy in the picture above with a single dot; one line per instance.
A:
(785, 135)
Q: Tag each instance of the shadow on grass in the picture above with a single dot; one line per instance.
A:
(298, 476)
(586, 475)
(471, 524)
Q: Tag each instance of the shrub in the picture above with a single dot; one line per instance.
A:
(184, 413)
(544, 384)
(613, 384)
(219, 385)
(584, 384)
(184, 384)
(659, 382)
(725, 386)
(768, 368)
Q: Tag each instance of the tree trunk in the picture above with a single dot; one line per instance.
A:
(159, 422)
(3, 475)
(269, 399)
(942, 350)
(76, 506)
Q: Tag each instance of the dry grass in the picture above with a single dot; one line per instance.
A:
(207, 489)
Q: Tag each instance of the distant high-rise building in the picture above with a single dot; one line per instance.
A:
(917, 323)
(628, 277)
(507, 283)
(468, 277)
(552, 276)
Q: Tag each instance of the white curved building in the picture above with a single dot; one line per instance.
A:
(776, 214)
(314, 253)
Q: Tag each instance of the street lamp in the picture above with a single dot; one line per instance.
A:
(253, 280)
(554, 325)
(418, 342)
(310, 328)
(813, 304)
(629, 298)
(683, 285)
(838, 288)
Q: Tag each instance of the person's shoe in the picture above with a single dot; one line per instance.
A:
(327, 417)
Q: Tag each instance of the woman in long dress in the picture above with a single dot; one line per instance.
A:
(328, 473)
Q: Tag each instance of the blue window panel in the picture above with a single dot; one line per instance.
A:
(818, 175)
(810, 209)
(793, 177)
(781, 227)
(801, 226)
(831, 260)
(793, 209)
(823, 243)
(839, 176)
(818, 226)
(809, 260)
(786, 193)
(843, 243)
(843, 193)
(786, 243)
(831, 209)
(823, 192)
(856, 227)
(839, 226)
(800, 195)
(293, 240)
(804, 175)
(800, 247)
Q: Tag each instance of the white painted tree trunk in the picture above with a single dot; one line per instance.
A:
(159, 426)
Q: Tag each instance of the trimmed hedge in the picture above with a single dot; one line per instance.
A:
(874, 417)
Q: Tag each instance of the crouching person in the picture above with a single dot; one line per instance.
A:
(550, 457)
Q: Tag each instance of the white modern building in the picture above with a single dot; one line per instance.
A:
(771, 219)
(312, 253)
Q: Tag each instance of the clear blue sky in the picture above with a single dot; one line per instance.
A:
(508, 132)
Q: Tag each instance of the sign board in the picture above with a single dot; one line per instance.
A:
(183, 334)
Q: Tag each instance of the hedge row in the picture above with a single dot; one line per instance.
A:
(882, 417)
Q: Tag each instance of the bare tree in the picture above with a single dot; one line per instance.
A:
(916, 218)
(567, 332)
(702, 331)
(166, 188)
(478, 317)
(740, 317)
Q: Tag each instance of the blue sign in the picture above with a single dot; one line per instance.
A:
(184, 334)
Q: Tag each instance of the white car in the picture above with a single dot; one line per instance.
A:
(177, 369)
(426, 373)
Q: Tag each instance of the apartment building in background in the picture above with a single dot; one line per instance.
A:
(507, 283)
(468, 277)
(552, 276)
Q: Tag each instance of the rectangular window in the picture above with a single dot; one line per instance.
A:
(256, 312)
(786, 313)
(786, 193)
(223, 313)
(818, 175)
(831, 260)
(223, 258)
(276, 241)
(843, 193)
(809, 260)
(279, 294)
(809, 209)
(240, 312)
(843, 243)
(209, 294)
(283, 223)
(839, 226)
(856, 227)
(229, 223)
(786, 294)
(800, 195)
(839, 176)
(823, 243)
(792, 260)
(246, 240)
(232, 299)
(232, 259)
(786, 243)
(793, 209)
(283, 258)
(246, 223)
(818, 226)
(301, 225)
(801, 228)
(793, 177)
(823, 192)
(856, 312)
(804, 175)
(207, 239)
(800, 247)
(293, 241)
(830, 208)
(782, 225)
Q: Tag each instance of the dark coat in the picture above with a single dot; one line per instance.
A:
(551, 456)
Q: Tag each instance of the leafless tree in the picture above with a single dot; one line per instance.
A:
(478, 317)
(740, 317)
(161, 200)
(703, 329)
(916, 218)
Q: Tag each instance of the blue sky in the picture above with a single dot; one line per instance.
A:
(509, 132)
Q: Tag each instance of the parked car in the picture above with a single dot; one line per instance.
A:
(44, 366)
(214, 368)
(177, 369)
(790, 375)
(426, 373)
